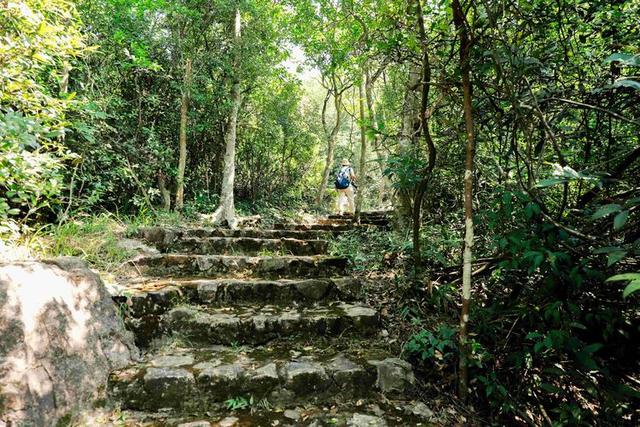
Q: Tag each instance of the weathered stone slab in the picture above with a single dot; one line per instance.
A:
(60, 336)
(247, 246)
(230, 266)
(163, 237)
(222, 373)
(167, 387)
(252, 325)
(306, 378)
(394, 375)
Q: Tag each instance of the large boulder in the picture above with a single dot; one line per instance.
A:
(60, 336)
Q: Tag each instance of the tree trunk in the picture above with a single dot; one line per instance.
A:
(424, 126)
(164, 191)
(331, 140)
(225, 213)
(373, 120)
(182, 160)
(363, 151)
(460, 21)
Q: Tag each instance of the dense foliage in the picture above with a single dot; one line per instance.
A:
(90, 99)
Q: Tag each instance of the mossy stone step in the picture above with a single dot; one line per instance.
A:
(247, 246)
(330, 227)
(202, 379)
(163, 237)
(255, 325)
(157, 297)
(270, 267)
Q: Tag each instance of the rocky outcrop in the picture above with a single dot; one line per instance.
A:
(60, 336)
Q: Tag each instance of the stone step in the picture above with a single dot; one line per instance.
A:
(163, 237)
(253, 324)
(330, 227)
(365, 215)
(151, 297)
(368, 412)
(213, 266)
(200, 380)
(247, 246)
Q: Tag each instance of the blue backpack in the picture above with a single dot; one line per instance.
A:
(342, 178)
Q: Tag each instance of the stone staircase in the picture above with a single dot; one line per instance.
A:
(258, 318)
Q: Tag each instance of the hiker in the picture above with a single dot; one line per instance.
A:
(345, 186)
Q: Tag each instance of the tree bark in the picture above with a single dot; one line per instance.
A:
(424, 125)
(331, 138)
(225, 213)
(182, 160)
(460, 21)
(373, 121)
(363, 151)
(164, 191)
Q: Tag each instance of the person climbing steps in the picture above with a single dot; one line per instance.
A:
(345, 186)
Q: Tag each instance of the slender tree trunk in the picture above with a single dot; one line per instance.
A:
(460, 21)
(164, 191)
(182, 160)
(331, 141)
(373, 120)
(363, 151)
(424, 125)
(225, 213)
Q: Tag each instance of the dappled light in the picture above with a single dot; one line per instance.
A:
(321, 212)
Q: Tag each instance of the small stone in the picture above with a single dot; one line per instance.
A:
(292, 414)
(361, 420)
(376, 410)
(228, 422)
(421, 410)
(394, 375)
(384, 333)
(133, 245)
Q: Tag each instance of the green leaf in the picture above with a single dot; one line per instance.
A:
(627, 83)
(549, 388)
(620, 219)
(624, 276)
(631, 288)
(624, 59)
(550, 182)
(592, 348)
(614, 257)
(606, 210)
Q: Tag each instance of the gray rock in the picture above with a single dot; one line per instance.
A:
(421, 410)
(394, 375)
(361, 420)
(348, 375)
(167, 387)
(60, 336)
(313, 290)
(68, 263)
(348, 287)
(136, 246)
(377, 410)
(301, 377)
(223, 373)
(173, 361)
(293, 414)
(228, 422)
